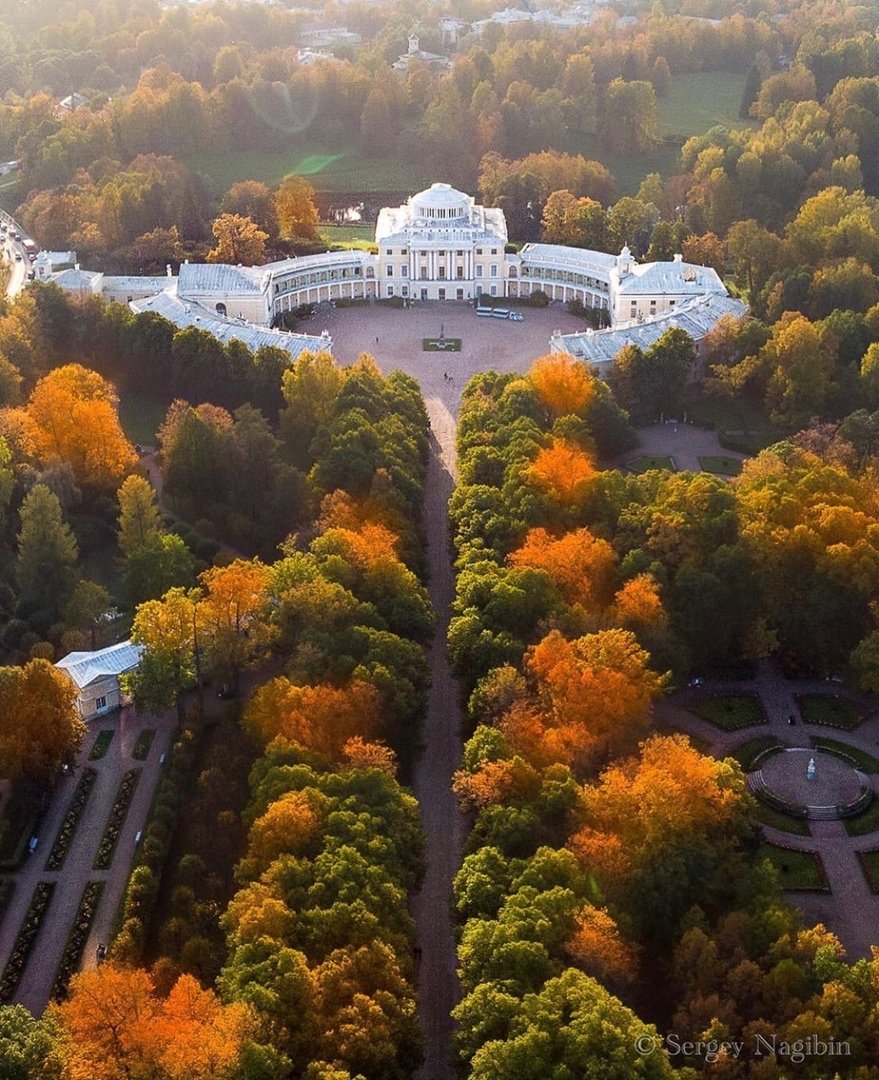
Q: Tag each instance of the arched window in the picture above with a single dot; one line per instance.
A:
(514, 272)
(221, 309)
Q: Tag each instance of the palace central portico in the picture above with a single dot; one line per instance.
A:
(441, 245)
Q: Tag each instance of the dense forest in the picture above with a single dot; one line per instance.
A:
(268, 552)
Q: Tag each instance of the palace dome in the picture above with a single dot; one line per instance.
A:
(441, 197)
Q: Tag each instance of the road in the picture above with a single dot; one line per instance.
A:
(11, 248)
(442, 822)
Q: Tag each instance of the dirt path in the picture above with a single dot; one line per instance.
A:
(443, 825)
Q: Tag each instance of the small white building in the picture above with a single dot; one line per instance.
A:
(416, 55)
(73, 101)
(96, 676)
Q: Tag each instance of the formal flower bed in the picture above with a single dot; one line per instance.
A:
(110, 838)
(77, 937)
(27, 935)
(143, 743)
(71, 819)
(101, 744)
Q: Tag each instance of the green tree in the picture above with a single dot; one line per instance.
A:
(27, 1046)
(571, 1027)
(161, 563)
(139, 518)
(753, 82)
(87, 605)
(630, 124)
(47, 554)
(168, 629)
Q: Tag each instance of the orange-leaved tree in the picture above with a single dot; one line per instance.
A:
(287, 827)
(114, 1027)
(563, 384)
(564, 470)
(72, 414)
(600, 950)
(321, 718)
(580, 565)
(234, 615)
(595, 694)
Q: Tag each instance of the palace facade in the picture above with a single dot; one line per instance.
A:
(440, 245)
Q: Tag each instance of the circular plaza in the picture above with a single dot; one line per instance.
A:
(811, 783)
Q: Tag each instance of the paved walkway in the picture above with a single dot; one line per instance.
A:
(443, 824)
(850, 910)
(682, 442)
(36, 984)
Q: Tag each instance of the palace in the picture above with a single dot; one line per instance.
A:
(440, 245)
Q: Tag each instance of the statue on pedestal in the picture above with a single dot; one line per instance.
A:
(810, 769)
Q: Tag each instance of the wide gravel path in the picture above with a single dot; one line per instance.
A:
(443, 824)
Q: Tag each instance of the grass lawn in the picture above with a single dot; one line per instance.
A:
(645, 463)
(697, 102)
(451, 344)
(776, 819)
(328, 169)
(141, 417)
(862, 759)
(722, 466)
(362, 236)
(101, 744)
(869, 861)
(748, 751)
(798, 870)
(142, 745)
(731, 713)
(836, 712)
(867, 822)
(741, 425)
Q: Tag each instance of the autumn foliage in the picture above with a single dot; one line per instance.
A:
(581, 565)
(114, 1027)
(668, 790)
(564, 386)
(599, 949)
(564, 471)
(594, 695)
(72, 415)
(322, 718)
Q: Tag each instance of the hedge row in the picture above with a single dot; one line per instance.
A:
(27, 936)
(107, 847)
(139, 901)
(76, 939)
(67, 829)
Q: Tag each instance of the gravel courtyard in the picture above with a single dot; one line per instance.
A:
(394, 337)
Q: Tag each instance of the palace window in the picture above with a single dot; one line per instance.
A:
(479, 270)
(390, 271)
(479, 251)
(494, 269)
(101, 703)
(390, 290)
(404, 270)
